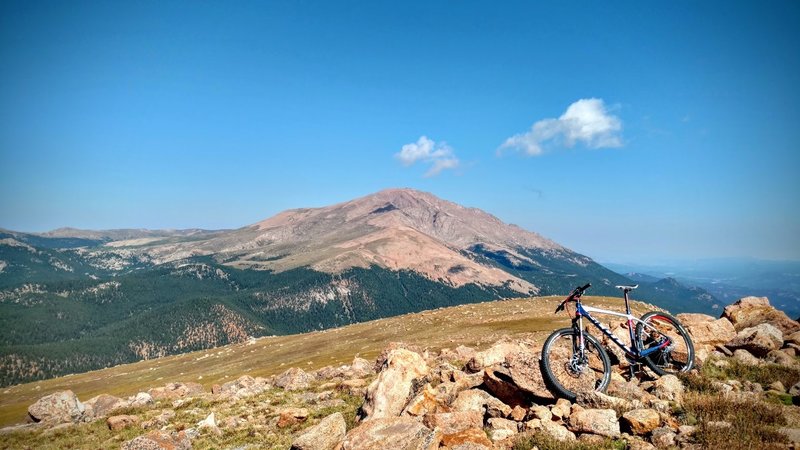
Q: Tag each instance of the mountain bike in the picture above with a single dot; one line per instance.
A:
(574, 361)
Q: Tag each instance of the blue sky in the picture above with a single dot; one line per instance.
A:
(219, 114)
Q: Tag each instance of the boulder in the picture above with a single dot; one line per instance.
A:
(501, 429)
(59, 407)
(541, 412)
(663, 437)
(380, 361)
(598, 400)
(525, 371)
(596, 421)
(478, 400)
(117, 423)
(360, 368)
(159, 440)
(427, 401)
(396, 433)
(388, 394)
(782, 358)
(495, 354)
(745, 357)
(326, 435)
(242, 387)
(469, 439)
(752, 311)
(140, 400)
(209, 423)
(758, 340)
(103, 405)
(172, 391)
(706, 330)
(291, 416)
(294, 379)
(556, 431)
(454, 422)
(668, 387)
(159, 421)
(561, 409)
(641, 421)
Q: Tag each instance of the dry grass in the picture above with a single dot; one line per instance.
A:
(476, 325)
(543, 441)
(753, 423)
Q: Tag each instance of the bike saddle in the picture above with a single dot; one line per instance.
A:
(628, 288)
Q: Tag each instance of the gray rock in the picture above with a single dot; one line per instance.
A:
(326, 435)
(56, 408)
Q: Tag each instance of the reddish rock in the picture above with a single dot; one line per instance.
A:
(326, 435)
(641, 421)
(454, 422)
(752, 311)
(117, 423)
(159, 440)
(395, 433)
(390, 391)
(103, 405)
(758, 340)
(596, 421)
(471, 438)
(294, 379)
(292, 416)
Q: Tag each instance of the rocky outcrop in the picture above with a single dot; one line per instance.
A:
(326, 435)
(641, 421)
(396, 433)
(395, 384)
(758, 340)
(59, 407)
(752, 311)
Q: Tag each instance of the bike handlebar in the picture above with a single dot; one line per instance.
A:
(576, 293)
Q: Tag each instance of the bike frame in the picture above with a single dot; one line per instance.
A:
(633, 351)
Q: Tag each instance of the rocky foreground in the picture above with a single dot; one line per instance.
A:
(745, 394)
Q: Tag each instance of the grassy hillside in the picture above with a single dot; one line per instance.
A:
(474, 325)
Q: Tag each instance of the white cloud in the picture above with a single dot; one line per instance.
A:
(587, 121)
(438, 155)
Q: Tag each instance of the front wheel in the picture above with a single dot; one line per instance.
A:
(568, 370)
(675, 352)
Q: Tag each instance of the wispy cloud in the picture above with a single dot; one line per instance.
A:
(438, 155)
(587, 122)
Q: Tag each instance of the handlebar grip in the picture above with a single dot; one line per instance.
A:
(588, 285)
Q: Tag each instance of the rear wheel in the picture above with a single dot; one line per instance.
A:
(676, 352)
(568, 371)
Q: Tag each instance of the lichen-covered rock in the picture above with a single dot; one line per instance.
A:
(561, 409)
(752, 311)
(396, 433)
(294, 379)
(668, 387)
(291, 416)
(596, 421)
(495, 354)
(478, 400)
(598, 400)
(140, 400)
(427, 401)
(454, 422)
(745, 357)
(706, 330)
(663, 437)
(117, 423)
(389, 393)
(469, 439)
(501, 429)
(172, 391)
(641, 421)
(102, 406)
(758, 340)
(58, 407)
(326, 435)
(159, 440)
(779, 357)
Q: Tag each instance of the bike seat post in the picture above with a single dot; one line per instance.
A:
(627, 305)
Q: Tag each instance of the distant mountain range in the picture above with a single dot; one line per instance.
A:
(74, 300)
